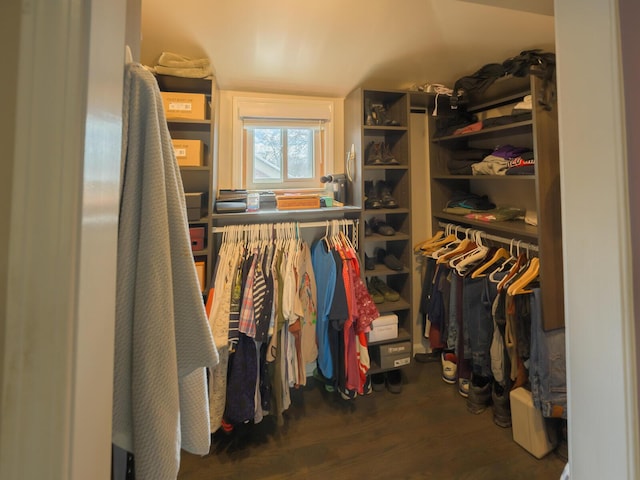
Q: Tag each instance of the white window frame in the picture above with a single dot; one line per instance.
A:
(281, 109)
(317, 128)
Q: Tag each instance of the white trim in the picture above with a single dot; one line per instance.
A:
(246, 105)
(50, 368)
(601, 350)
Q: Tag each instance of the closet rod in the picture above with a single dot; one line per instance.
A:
(495, 238)
(299, 224)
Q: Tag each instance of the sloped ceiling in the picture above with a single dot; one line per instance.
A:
(329, 47)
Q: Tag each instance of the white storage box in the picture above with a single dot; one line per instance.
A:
(528, 425)
(385, 327)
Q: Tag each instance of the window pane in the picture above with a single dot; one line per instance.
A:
(267, 154)
(299, 153)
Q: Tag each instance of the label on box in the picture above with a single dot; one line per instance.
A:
(180, 152)
(395, 348)
(180, 107)
(401, 362)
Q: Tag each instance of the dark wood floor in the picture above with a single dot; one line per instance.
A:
(425, 432)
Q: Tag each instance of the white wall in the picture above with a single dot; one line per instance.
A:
(603, 419)
(226, 145)
(59, 311)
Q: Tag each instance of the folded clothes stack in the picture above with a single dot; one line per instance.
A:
(181, 66)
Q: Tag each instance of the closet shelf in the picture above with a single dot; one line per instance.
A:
(384, 128)
(385, 211)
(403, 335)
(383, 238)
(388, 307)
(485, 177)
(385, 167)
(512, 227)
(273, 215)
(499, 102)
(511, 128)
(189, 121)
(382, 270)
(195, 169)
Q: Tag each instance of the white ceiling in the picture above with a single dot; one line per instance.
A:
(329, 47)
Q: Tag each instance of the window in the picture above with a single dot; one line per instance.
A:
(281, 142)
(283, 154)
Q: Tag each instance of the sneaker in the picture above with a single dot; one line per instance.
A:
(367, 229)
(479, 395)
(449, 367)
(373, 200)
(394, 381)
(389, 294)
(378, 381)
(463, 387)
(376, 295)
(501, 407)
(367, 388)
(369, 262)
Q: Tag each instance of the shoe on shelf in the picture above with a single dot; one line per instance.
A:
(387, 157)
(384, 195)
(378, 381)
(376, 295)
(501, 407)
(373, 154)
(369, 262)
(368, 231)
(392, 262)
(463, 387)
(479, 394)
(381, 227)
(394, 381)
(372, 201)
(389, 294)
(449, 367)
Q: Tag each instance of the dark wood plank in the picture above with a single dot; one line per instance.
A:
(425, 432)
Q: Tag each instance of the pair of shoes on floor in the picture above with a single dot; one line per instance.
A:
(378, 381)
(449, 367)
(479, 397)
(388, 294)
(394, 381)
(389, 260)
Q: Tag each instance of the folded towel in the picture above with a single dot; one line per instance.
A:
(174, 60)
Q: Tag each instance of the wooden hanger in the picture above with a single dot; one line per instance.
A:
(518, 287)
(500, 254)
(426, 243)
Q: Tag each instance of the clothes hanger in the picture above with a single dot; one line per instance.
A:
(474, 256)
(452, 241)
(424, 244)
(501, 253)
(518, 287)
(506, 264)
(462, 247)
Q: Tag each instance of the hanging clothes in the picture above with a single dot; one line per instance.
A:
(163, 342)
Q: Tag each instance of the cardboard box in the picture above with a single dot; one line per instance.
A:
(394, 355)
(195, 206)
(395, 361)
(398, 348)
(197, 238)
(184, 105)
(201, 268)
(527, 423)
(294, 202)
(188, 152)
(384, 327)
